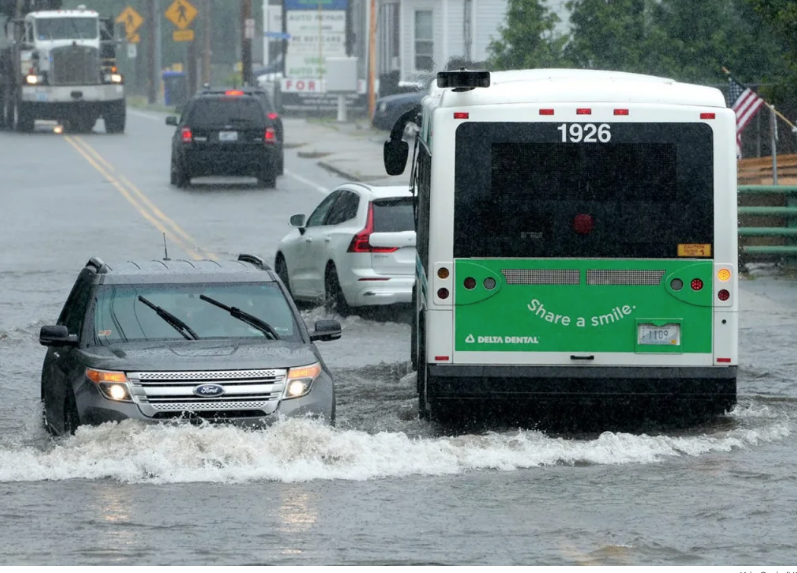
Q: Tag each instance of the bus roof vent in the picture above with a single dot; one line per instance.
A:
(463, 80)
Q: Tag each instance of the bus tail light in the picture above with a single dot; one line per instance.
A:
(461, 115)
(546, 112)
(442, 293)
(584, 111)
(186, 135)
(360, 243)
(724, 360)
(697, 284)
(470, 283)
(723, 295)
(708, 115)
(583, 224)
(621, 112)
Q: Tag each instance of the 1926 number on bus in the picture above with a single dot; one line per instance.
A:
(585, 133)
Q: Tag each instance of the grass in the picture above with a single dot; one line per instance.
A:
(140, 102)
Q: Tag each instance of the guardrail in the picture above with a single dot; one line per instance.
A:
(768, 230)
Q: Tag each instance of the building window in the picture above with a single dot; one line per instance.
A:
(424, 40)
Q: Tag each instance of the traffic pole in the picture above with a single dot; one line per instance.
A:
(206, 40)
(372, 60)
(152, 68)
(247, 33)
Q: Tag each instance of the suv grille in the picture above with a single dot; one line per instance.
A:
(173, 392)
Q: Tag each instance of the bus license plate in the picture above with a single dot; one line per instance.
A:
(667, 335)
(228, 136)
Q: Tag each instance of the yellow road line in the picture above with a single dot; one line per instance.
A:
(146, 200)
(126, 194)
(157, 217)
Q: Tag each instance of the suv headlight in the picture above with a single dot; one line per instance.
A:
(112, 385)
(300, 381)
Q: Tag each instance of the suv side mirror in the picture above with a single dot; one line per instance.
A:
(299, 222)
(326, 330)
(56, 336)
(171, 120)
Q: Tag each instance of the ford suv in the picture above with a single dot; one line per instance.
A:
(196, 340)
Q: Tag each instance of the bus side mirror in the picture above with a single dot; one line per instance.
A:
(395, 155)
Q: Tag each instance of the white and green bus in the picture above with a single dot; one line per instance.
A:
(576, 239)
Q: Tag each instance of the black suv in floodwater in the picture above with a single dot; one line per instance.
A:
(231, 132)
(166, 339)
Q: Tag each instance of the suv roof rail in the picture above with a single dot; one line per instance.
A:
(97, 264)
(257, 261)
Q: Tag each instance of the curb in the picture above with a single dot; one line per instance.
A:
(340, 172)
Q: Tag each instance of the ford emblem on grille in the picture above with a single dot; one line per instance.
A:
(209, 390)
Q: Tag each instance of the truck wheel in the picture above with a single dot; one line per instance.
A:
(115, 117)
(24, 121)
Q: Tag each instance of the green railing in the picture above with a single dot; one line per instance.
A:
(775, 230)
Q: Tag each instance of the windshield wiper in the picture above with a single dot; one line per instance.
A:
(173, 321)
(249, 319)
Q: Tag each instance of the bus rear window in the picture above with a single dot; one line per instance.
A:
(520, 192)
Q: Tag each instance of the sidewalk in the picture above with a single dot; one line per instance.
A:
(352, 150)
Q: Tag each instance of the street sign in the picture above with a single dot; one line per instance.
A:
(183, 35)
(132, 52)
(134, 39)
(181, 13)
(249, 29)
(132, 21)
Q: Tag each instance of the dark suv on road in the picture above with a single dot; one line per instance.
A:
(271, 113)
(200, 340)
(226, 133)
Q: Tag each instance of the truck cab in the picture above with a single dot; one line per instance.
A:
(64, 69)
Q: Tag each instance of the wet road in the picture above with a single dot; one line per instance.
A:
(382, 487)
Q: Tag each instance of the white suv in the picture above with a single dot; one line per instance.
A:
(356, 249)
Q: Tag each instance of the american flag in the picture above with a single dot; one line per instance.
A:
(745, 103)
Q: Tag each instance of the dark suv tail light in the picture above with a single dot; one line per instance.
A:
(361, 241)
(270, 135)
(186, 135)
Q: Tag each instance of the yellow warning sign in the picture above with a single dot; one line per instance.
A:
(687, 250)
(181, 13)
(134, 39)
(132, 21)
(183, 35)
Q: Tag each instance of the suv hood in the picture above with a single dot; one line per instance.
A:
(199, 355)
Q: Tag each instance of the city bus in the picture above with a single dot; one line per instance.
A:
(576, 240)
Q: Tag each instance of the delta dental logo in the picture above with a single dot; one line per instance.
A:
(502, 339)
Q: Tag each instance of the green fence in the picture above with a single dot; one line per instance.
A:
(768, 221)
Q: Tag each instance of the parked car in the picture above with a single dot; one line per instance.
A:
(389, 108)
(229, 133)
(357, 248)
(198, 340)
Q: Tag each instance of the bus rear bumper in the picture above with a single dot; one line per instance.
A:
(578, 383)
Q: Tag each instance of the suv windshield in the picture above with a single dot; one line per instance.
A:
(66, 28)
(234, 110)
(120, 316)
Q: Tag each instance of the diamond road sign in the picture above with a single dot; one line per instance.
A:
(181, 13)
(132, 21)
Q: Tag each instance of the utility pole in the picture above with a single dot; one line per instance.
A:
(247, 35)
(152, 68)
(372, 60)
(206, 39)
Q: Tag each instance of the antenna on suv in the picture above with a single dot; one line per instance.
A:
(165, 250)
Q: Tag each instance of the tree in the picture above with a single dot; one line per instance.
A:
(528, 39)
(781, 17)
(609, 35)
(701, 37)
